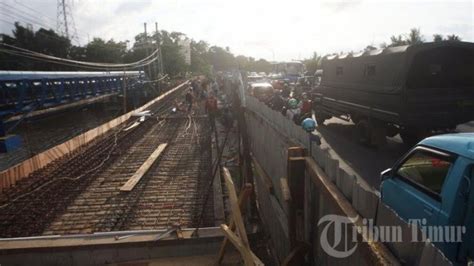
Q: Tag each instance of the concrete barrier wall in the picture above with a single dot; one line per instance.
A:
(273, 217)
(269, 144)
(271, 133)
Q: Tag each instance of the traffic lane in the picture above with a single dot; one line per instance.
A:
(367, 162)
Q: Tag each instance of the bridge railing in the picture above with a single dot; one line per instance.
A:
(24, 91)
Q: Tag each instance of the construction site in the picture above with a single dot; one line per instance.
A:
(162, 149)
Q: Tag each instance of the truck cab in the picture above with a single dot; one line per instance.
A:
(432, 185)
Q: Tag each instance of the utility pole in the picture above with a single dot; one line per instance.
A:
(147, 46)
(157, 46)
(160, 58)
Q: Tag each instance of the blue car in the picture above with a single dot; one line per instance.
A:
(432, 185)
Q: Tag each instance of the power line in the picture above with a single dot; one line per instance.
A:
(35, 32)
(21, 13)
(36, 11)
(77, 61)
(63, 61)
(14, 14)
(74, 65)
(78, 34)
(59, 38)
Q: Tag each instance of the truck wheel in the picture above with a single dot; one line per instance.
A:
(355, 119)
(362, 132)
(320, 120)
(392, 131)
(411, 137)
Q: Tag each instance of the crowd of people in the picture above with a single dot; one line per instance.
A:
(294, 103)
(202, 96)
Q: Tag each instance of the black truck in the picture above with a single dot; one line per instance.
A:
(413, 90)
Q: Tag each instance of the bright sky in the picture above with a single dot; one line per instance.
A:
(280, 30)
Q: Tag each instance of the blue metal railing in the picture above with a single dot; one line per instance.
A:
(20, 90)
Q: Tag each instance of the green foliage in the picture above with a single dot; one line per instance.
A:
(453, 37)
(98, 50)
(249, 64)
(203, 57)
(437, 38)
(415, 37)
(313, 63)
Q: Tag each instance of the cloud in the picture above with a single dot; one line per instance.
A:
(267, 28)
(132, 7)
(337, 6)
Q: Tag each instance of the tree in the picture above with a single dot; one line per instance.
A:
(313, 63)
(42, 41)
(198, 60)
(437, 38)
(397, 41)
(414, 37)
(220, 58)
(453, 37)
(99, 50)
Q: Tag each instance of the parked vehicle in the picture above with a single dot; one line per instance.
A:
(413, 90)
(434, 181)
(262, 91)
(288, 71)
(255, 79)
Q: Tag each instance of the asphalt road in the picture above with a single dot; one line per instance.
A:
(367, 162)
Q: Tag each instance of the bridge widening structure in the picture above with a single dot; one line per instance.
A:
(70, 196)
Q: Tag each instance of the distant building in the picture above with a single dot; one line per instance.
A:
(185, 50)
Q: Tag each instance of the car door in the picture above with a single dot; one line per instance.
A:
(414, 188)
(467, 246)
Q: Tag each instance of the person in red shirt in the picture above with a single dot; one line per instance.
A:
(211, 108)
(306, 105)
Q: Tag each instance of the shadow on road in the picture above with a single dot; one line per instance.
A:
(367, 162)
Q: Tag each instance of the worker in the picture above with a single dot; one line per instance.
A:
(211, 109)
(189, 99)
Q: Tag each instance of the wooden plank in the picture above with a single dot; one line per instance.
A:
(249, 257)
(296, 172)
(236, 214)
(285, 190)
(143, 169)
(377, 251)
(244, 195)
(233, 238)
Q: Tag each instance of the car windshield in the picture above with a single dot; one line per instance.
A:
(426, 169)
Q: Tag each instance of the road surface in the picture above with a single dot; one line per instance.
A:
(367, 162)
